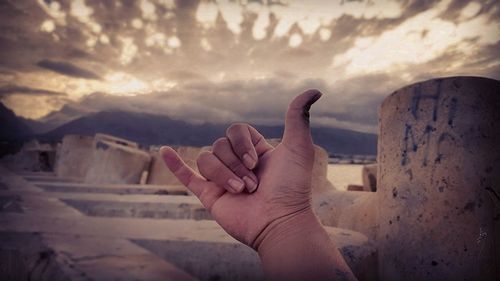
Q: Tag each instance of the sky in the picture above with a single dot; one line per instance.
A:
(237, 61)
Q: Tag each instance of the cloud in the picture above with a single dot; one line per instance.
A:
(258, 101)
(68, 69)
(419, 40)
(13, 89)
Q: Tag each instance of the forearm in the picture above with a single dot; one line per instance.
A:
(297, 247)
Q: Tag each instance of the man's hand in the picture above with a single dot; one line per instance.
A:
(244, 158)
(274, 215)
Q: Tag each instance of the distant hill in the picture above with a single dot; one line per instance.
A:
(12, 127)
(150, 129)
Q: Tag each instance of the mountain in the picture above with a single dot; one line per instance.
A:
(150, 129)
(67, 113)
(13, 127)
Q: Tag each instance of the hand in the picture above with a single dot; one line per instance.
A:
(283, 175)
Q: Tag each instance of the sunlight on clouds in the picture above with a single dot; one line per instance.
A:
(162, 84)
(148, 10)
(79, 10)
(206, 14)
(260, 25)
(232, 13)
(305, 14)
(137, 23)
(168, 4)
(295, 40)
(325, 34)
(104, 39)
(31, 106)
(416, 41)
(471, 10)
(124, 84)
(309, 25)
(129, 50)
(205, 44)
(156, 40)
(54, 11)
(174, 42)
(48, 26)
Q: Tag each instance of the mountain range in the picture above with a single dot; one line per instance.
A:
(153, 129)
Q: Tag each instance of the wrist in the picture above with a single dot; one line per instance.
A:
(286, 229)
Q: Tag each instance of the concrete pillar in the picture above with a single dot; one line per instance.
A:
(439, 181)
(74, 156)
(116, 164)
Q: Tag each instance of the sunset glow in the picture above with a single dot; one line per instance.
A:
(251, 48)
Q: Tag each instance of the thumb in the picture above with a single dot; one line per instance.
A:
(297, 135)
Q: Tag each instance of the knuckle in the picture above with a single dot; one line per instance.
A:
(235, 127)
(219, 144)
(237, 166)
(203, 158)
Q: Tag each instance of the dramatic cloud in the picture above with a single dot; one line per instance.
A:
(68, 69)
(12, 89)
(223, 61)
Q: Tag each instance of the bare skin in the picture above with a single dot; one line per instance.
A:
(261, 196)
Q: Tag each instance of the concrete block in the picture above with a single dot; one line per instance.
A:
(74, 157)
(355, 211)
(369, 175)
(117, 164)
(112, 139)
(121, 189)
(33, 157)
(439, 181)
(355, 187)
(154, 210)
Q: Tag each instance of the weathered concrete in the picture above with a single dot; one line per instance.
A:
(369, 175)
(112, 139)
(94, 244)
(121, 189)
(74, 157)
(46, 256)
(116, 163)
(355, 187)
(439, 183)
(33, 157)
(160, 210)
(356, 211)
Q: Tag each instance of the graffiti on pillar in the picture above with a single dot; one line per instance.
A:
(418, 96)
(415, 140)
(412, 142)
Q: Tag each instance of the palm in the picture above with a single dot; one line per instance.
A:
(284, 188)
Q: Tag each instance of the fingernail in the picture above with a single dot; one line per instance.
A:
(249, 161)
(236, 185)
(251, 184)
